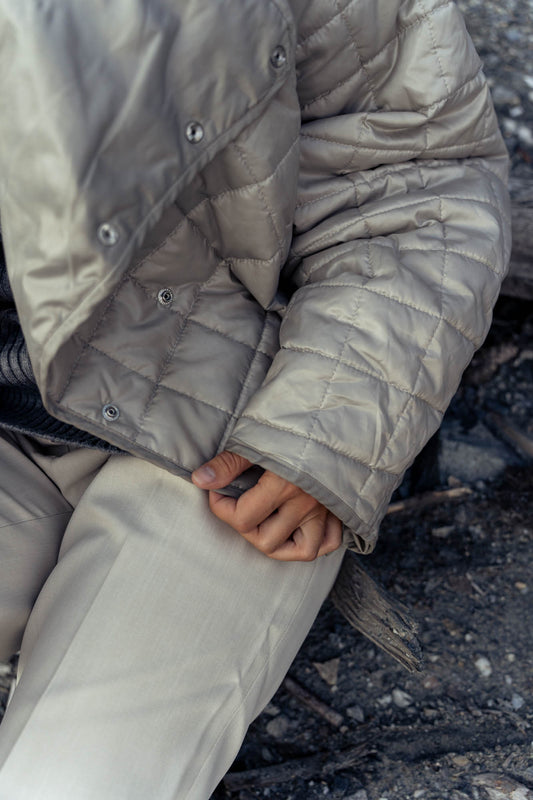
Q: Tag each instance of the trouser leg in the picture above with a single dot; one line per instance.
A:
(33, 517)
(158, 637)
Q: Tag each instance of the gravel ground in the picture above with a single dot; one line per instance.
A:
(502, 31)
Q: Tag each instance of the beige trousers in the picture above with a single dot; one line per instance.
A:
(150, 633)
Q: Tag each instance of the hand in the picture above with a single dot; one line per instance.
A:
(278, 518)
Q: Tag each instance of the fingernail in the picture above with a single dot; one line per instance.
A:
(204, 475)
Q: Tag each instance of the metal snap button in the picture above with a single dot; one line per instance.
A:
(278, 57)
(194, 132)
(108, 234)
(165, 297)
(110, 412)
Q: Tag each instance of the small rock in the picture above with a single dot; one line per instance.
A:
(359, 795)
(477, 455)
(460, 761)
(517, 701)
(510, 126)
(483, 666)
(401, 699)
(514, 34)
(501, 787)
(419, 793)
(525, 135)
(503, 95)
(5, 669)
(384, 700)
(278, 727)
(442, 532)
(521, 586)
(356, 713)
(271, 710)
(431, 682)
(328, 670)
(510, 657)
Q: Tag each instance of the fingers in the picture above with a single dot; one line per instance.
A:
(310, 541)
(257, 504)
(220, 471)
(275, 516)
(296, 528)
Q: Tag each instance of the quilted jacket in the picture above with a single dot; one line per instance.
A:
(276, 227)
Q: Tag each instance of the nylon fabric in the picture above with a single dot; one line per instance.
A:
(334, 243)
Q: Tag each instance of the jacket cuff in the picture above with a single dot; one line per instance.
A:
(343, 488)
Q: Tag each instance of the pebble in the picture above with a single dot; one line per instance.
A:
(517, 701)
(360, 795)
(328, 670)
(460, 761)
(5, 669)
(278, 726)
(503, 95)
(442, 532)
(431, 682)
(525, 135)
(514, 35)
(401, 699)
(502, 787)
(483, 666)
(384, 700)
(356, 713)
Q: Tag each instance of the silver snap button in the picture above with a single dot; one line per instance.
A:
(165, 297)
(110, 412)
(107, 234)
(278, 57)
(194, 132)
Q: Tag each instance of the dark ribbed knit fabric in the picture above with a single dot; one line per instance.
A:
(21, 408)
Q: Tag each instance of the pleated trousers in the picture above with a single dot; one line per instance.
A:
(150, 633)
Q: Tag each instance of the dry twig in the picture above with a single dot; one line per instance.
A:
(317, 765)
(312, 702)
(429, 499)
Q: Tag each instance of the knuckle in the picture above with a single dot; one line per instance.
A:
(241, 526)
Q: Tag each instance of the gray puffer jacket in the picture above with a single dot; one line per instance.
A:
(271, 226)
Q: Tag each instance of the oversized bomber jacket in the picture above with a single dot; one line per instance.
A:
(276, 227)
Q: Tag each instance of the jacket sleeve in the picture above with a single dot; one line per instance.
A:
(401, 241)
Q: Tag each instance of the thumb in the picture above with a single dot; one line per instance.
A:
(220, 471)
